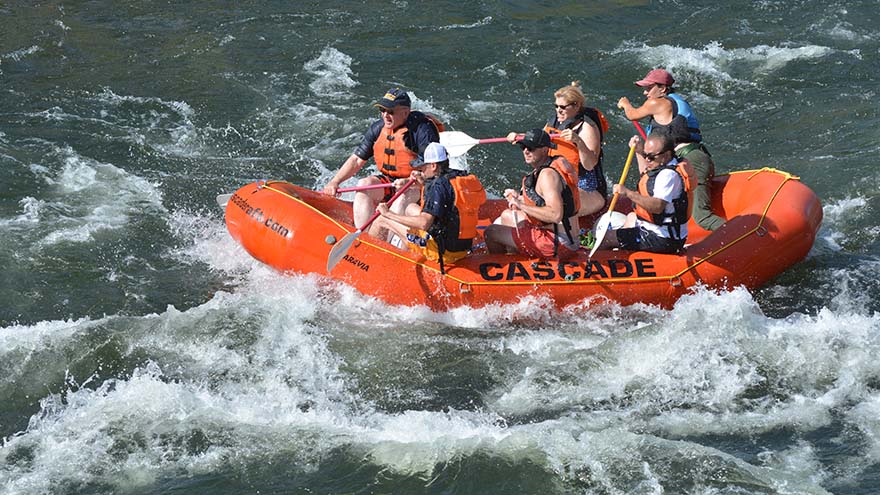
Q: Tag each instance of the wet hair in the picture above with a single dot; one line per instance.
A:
(571, 94)
(666, 142)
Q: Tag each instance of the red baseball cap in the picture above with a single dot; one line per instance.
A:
(657, 76)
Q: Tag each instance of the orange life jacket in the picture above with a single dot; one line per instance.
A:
(464, 215)
(469, 196)
(570, 199)
(392, 155)
(681, 204)
(569, 174)
(570, 151)
(567, 148)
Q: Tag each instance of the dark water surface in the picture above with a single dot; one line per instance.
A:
(143, 351)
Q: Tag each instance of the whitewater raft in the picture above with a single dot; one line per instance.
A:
(772, 220)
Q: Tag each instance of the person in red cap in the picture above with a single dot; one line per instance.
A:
(539, 219)
(662, 104)
(393, 141)
(668, 110)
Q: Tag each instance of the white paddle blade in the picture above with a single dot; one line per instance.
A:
(341, 248)
(609, 221)
(457, 143)
(222, 199)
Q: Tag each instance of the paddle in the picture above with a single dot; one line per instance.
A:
(222, 199)
(458, 143)
(604, 222)
(342, 247)
(364, 188)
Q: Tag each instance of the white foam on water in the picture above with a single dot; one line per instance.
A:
(31, 210)
(333, 74)
(721, 66)
(866, 417)
(264, 384)
(481, 23)
(167, 126)
(836, 217)
(90, 196)
(17, 55)
(249, 375)
(204, 238)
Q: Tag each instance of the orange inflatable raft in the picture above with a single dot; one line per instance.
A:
(772, 220)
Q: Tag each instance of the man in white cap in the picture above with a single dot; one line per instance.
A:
(444, 226)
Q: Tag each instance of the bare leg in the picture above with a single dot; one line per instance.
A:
(411, 196)
(499, 238)
(591, 202)
(365, 202)
(389, 227)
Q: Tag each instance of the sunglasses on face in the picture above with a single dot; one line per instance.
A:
(563, 107)
(386, 110)
(530, 148)
(652, 156)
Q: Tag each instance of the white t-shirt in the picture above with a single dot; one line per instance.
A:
(667, 186)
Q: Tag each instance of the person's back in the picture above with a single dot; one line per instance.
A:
(704, 168)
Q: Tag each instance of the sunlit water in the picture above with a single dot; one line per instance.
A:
(143, 351)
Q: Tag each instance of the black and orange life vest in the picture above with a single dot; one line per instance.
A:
(681, 204)
(457, 230)
(570, 151)
(569, 177)
(569, 193)
(391, 152)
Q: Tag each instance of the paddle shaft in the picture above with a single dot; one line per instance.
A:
(602, 229)
(458, 143)
(639, 128)
(396, 195)
(626, 167)
(341, 248)
(629, 158)
(383, 185)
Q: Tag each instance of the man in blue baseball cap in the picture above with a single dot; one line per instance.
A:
(393, 142)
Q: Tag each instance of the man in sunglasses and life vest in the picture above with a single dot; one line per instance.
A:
(444, 226)
(659, 222)
(393, 142)
(539, 218)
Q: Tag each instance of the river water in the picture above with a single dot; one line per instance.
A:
(143, 351)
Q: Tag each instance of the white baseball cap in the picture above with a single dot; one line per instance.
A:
(434, 153)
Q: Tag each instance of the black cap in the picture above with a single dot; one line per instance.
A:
(536, 138)
(394, 98)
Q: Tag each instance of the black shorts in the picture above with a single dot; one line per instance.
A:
(641, 239)
(384, 179)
